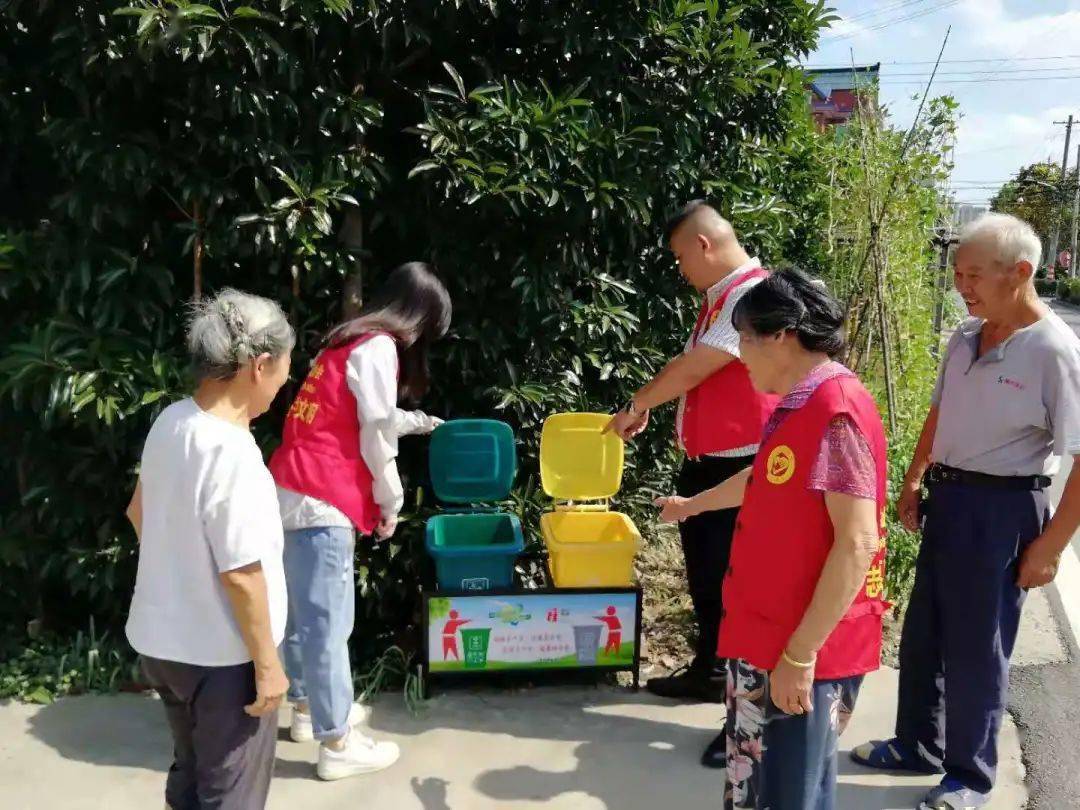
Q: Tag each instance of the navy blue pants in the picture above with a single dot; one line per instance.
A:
(961, 625)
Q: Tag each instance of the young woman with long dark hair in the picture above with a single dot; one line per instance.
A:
(336, 475)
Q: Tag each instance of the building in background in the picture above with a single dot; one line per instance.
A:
(835, 92)
(963, 213)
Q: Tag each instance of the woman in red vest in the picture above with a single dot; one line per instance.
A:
(336, 474)
(803, 595)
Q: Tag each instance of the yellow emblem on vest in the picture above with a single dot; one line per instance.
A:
(781, 465)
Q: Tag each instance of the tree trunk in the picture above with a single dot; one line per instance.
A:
(351, 237)
(883, 328)
(197, 253)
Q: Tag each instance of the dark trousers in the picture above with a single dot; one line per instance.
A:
(706, 543)
(223, 758)
(961, 625)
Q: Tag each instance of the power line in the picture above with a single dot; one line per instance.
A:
(1012, 145)
(981, 81)
(1023, 73)
(886, 23)
(988, 72)
(959, 61)
(895, 21)
(882, 10)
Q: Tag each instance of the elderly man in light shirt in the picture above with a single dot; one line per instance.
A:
(1005, 409)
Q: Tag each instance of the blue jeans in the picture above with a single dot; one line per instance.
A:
(961, 626)
(778, 761)
(322, 593)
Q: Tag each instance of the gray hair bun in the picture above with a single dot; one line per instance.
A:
(230, 329)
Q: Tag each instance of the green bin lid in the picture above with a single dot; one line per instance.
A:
(472, 460)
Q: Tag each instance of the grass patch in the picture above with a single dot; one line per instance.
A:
(40, 670)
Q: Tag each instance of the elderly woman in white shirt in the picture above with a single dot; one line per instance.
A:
(336, 473)
(209, 607)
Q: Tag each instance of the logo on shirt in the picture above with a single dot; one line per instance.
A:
(1009, 381)
(781, 465)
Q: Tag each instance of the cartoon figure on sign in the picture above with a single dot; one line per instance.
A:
(449, 635)
(614, 626)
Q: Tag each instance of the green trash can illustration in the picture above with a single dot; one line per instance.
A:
(587, 642)
(476, 646)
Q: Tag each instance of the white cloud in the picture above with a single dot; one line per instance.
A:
(844, 30)
(996, 30)
(1026, 132)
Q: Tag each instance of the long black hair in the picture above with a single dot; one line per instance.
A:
(412, 306)
(792, 301)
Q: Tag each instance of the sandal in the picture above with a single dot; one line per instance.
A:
(890, 755)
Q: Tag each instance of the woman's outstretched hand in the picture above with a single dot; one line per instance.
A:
(674, 508)
(386, 528)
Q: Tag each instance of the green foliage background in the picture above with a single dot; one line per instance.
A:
(899, 175)
(1039, 196)
(302, 148)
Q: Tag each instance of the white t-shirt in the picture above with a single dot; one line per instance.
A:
(371, 372)
(208, 506)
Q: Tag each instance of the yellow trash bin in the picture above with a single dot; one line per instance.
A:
(588, 545)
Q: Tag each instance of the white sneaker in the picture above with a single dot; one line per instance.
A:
(360, 755)
(301, 730)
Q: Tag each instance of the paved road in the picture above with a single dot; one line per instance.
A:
(1045, 699)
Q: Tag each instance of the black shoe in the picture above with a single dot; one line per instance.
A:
(715, 755)
(690, 683)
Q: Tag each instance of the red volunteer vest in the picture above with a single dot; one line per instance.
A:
(783, 535)
(724, 410)
(320, 448)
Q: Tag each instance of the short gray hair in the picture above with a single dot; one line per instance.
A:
(231, 328)
(1010, 238)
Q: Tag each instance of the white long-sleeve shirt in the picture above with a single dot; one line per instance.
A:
(371, 374)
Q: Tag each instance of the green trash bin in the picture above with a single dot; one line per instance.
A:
(475, 549)
(476, 646)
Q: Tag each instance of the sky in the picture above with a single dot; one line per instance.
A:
(1008, 104)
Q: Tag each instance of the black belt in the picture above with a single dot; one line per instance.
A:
(941, 474)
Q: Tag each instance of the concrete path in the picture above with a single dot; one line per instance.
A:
(569, 748)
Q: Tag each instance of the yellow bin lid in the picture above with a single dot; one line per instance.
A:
(578, 462)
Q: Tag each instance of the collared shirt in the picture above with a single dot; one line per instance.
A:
(844, 463)
(1016, 409)
(721, 335)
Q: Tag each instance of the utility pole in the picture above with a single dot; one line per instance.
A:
(943, 238)
(1075, 216)
(1052, 255)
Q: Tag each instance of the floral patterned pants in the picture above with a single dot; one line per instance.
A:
(777, 761)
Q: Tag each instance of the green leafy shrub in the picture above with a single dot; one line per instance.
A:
(891, 317)
(46, 668)
(1068, 290)
(1046, 286)
(301, 148)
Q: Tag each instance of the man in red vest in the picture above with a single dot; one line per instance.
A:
(719, 422)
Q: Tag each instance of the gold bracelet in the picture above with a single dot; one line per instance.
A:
(799, 664)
